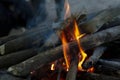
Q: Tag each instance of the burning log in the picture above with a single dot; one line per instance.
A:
(71, 75)
(113, 64)
(94, 76)
(95, 57)
(17, 57)
(87, 42)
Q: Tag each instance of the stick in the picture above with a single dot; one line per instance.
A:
(17, 57)
(71, 75)
(87, 42)
(95, 57)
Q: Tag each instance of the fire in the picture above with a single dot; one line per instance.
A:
(67, 9)
(65, 49)
(78, 35)
(53, 67)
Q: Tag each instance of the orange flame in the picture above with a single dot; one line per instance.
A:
(65, 49)
(67, 9)
(53, 67)
(78, 35)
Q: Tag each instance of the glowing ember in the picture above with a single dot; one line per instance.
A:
(65, 49)
(92, 69)
(67, 9)
(53, 67)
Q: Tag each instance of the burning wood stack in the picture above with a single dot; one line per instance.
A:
(80, 47)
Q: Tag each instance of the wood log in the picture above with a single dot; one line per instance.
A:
(87, 42)
(94, 76)
(43, 28)
(72, 73)
(94, 58)
(17, 57)
(110, 63)
(30, 39)
(38, 61)
(99, 20)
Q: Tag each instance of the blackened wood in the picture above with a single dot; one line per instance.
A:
(94, 58)
(17, 57)
(87, 42)
(72, 73)
(94, 76)
(110, 63)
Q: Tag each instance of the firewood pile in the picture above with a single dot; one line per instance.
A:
(29, 56)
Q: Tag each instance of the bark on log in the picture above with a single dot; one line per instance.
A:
(94, 76)
(17, 57)
(87, 42)
(72, 73)
(94, 58)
